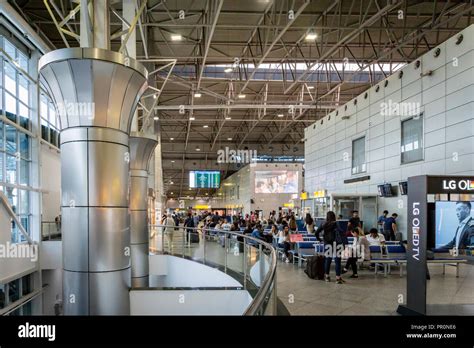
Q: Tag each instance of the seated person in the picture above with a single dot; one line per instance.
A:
(284, 242)
(375, 238)
(257, 232)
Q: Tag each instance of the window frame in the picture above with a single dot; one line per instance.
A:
(422, 139)
(352, 155)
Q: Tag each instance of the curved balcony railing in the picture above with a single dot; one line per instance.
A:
(251, 261)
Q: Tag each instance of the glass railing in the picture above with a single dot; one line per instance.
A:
(252, 262)
(50, 230)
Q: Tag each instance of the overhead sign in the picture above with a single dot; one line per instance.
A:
(204, 179)
(319, 194)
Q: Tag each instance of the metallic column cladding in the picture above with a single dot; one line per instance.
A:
(94, 173)
(141, 149)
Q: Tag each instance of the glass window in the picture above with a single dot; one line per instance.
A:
(11, 169)
(10, 135)
(23, 61)
(14, 290)
(10, 104)
(24, 145)
(24, 202)
(24, 172)
(1, 135)
(2, 296)
(358, 156)
(23, 89)
(412, 140)
(10, 78)
(9, 48)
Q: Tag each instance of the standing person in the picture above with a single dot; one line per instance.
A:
(381, 220)
(359, 249)
(196, 220)
(334, 242)
(354, 221)
(293, 226)
(189, 222)
(309, 223)
(390, 227)
(169, 231)
(284, 242)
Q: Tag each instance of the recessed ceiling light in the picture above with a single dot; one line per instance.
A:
(171, 139)
(280, 115)
(229, 139)
(228, 118)
(192, 118)
(176, 37)
(171, 183)
(172, 161)
(156, 118)
(205, 126)
(310, 87)
(228, 70)
(198, 149)
(171, 192)
(311, 36)
(241, 96)
(154, 96)
(197, 95)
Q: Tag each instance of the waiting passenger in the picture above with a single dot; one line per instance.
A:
(309, 223)
(284, 242)
(358, 250)
(334, 241)
(169, 231)
(375, 238)
(293, 226)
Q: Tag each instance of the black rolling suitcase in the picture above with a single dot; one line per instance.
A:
(315, 267)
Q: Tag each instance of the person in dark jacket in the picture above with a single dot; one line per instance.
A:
(334, 242)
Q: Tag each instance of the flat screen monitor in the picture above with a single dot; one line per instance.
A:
(454, 225)
(403, 186)
(387, 189)
(204, 179)
(276, 181)
(380, 190)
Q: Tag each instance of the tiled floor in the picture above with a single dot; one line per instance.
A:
(368, 295)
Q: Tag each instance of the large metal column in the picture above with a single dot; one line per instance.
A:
(96, 92)
(141, 149)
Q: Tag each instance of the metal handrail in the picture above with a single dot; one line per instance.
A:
(265, 284)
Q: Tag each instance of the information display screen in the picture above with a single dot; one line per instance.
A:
(454, 225)
(276, 181)
(204, 179)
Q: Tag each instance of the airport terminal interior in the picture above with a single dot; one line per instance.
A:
(236, 157)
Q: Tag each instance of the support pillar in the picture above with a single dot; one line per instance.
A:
(96, 93)
(141, 149)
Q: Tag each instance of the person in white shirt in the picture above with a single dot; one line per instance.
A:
(284, 242)
(169, 231)
(359, 250)
(375, 238)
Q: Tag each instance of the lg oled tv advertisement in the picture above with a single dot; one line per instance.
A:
(454, 225)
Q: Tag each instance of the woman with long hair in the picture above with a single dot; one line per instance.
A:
(309, 223)
(333, 246)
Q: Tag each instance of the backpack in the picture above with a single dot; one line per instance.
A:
(329, 233)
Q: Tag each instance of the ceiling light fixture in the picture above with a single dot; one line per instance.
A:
(197, 95)
(172, 161)
(205, 126)
(176, 37)
(280, 115)
(192, 118)
(229, 139)
(228, 70)
(310, 87)
(311, 36)
(171, 139)
(241, 96)
(228, 118)
(156, 118)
